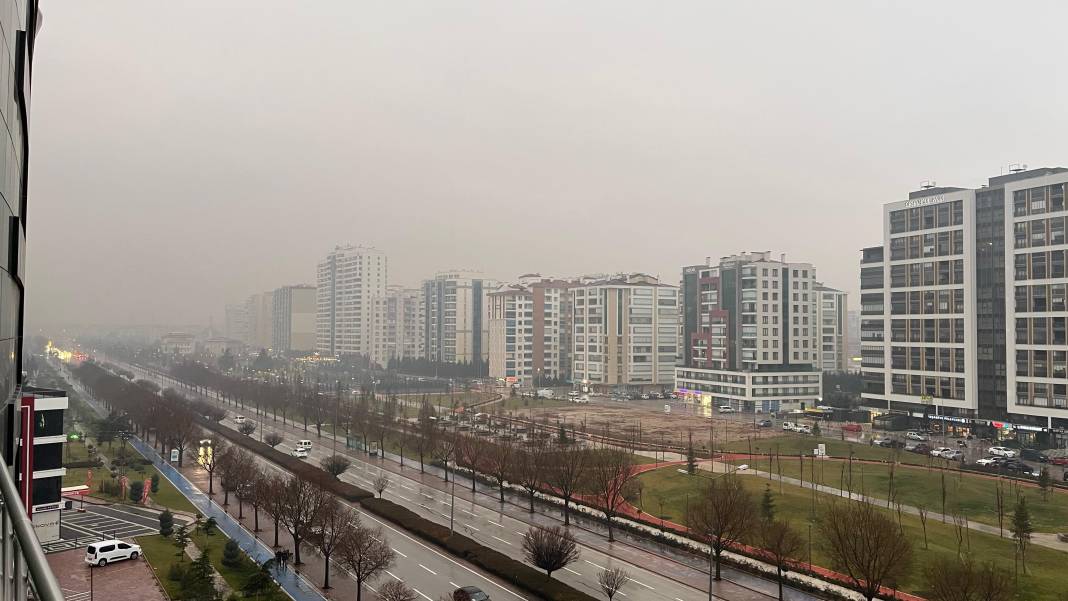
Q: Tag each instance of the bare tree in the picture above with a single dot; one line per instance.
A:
(365, 554)
(444, 450)
(468, 454)
(550, 549)
(395, 590)
(922, 511)
(210, 457)
(272, 502)
(234, 468)
(301, 503)
(564, 474)
(881, 556)
(964, 580)
(722, 517)
(499, 463)
(999, 506)
(337, 521)
(273, 439)
(781, 543)
(335, 465)
(530, 470)
(247, 428)
(381, 482)
(181, 427)
(612, 580)
(610, 471)
(259, 494)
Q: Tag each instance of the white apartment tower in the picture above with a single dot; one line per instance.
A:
(348, 280)
(397, 325)
(832, 315)
(456, 327)
(753, 334)
(625, 333)
(530, 331)
(294, 319)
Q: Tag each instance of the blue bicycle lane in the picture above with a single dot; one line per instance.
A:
(292, 583)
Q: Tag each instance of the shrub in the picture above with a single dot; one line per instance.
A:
(137, 488)
(155, 483)
(166, 523)
(95, 462)
(176, 572)
(231, 554)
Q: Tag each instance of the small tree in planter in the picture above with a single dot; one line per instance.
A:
(166, 523)
(231, 554)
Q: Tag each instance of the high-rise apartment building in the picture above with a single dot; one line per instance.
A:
(397, 325)
(293, 328)
(625, 333)
(237, 322)
(456, 328)
(832, 313)
(348, 279)
(260, 309)
(963, 306)
(530, 330)
(752, 329)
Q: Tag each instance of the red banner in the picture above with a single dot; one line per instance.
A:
(144, 492)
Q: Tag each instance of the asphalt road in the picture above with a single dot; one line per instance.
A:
(667, 574)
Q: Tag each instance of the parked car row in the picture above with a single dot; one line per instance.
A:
(1008, 465)
(796, 427)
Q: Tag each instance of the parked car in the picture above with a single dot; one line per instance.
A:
(473, 593)
(239, 419)
(1002, 452)
(918, 447)
(917, 436)
(940, 451)
(986, 461)
(106, 551)
(953, 455)
(1034, 455)
(804, 429)
(726, 409)
(299, 453)
(1019, 467)
(1060, 460)
(789, 426)
(764, 423)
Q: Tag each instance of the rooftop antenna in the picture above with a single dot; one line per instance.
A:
(928, 184)
(1017, 167)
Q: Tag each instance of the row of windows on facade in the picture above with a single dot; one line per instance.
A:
(918, 358)
(1039, 265)
(1038, 298)
(928, 217)
(927, 330)
(922, 246)
(1034, 201)
(1039, 232)
(930, 273)
(922, 302)
(1041, 394)
(1040, 330)
(941, 387)
(1038, 363)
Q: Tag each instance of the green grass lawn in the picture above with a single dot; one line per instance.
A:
(1045, 577)
(167, 496)
(520, 403)
(970, 495)
(161, 554)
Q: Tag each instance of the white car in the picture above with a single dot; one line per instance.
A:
(917, 436)
(952, 455)
(789, 426)
(940, 451)
(1002, 452)
(726, 409)
(299, 453)
(803, 429)
(105, 551)
(239, 419)
(986, 461)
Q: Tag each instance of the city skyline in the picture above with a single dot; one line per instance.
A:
(630, 139)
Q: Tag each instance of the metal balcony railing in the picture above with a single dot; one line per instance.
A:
(24, 571)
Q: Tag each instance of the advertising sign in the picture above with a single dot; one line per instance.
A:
(145, 490)
(174, 455)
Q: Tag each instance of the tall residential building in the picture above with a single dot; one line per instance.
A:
(753, 334)
(853, 339)
(293, 328)
(833, 318)
(625, 333)
(348, 279)
(965, 281)
(530, 331)
(260, 309)
(236, 325)
(397, 325)
(456, 328)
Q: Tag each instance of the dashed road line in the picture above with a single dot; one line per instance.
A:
(428, 569)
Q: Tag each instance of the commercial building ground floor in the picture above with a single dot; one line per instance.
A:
(750, 391)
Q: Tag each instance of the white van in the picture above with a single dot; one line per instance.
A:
(239, 419)
(726, 409)
(545, 393)
(103, 552)
(304, 444)
(789, 426)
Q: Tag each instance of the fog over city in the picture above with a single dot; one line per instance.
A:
(188, 154)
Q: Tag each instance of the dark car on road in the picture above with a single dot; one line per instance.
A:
(919, 447)
(470, 593)
(764, 423)
(1017, 466)
(1034, 455)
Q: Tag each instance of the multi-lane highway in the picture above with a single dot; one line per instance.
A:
(656, 573)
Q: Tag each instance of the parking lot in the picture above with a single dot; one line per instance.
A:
(99, 522)
(131, 579)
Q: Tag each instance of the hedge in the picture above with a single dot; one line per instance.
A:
(494, 562)
(298, 467)
(83, 463)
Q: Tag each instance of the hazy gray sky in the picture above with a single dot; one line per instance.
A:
(187, 154)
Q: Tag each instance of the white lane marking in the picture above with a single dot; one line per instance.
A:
(428, 569)
(395, 577)
(406, 498)
(469, 512)
(431, 497)
(573, 571)
(422, 595)
(496, 523)
(595, 565)
(399, 553)
(641, 584)
(502, 540)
